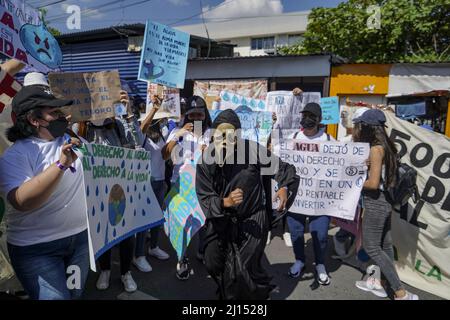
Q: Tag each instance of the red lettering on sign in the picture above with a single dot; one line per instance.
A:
(22, 56)
(7, 20)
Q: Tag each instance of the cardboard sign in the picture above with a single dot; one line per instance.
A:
(94, 93)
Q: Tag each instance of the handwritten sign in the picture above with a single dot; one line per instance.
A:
(331, 176)
(94, 93)
(183, 214)
(164, 55)
(330, 110)
(171, 99)
(230, 100)
(24, 37)
(120, 200)
(288, 107)
(255, 126)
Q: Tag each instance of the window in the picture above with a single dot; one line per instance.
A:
(294, 39)
(263, 43)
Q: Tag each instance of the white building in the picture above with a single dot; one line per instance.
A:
(254, 36)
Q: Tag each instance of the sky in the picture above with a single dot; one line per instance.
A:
(97, 14)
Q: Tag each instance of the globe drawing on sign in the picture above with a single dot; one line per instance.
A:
(116, 204)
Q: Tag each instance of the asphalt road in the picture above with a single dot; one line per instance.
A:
(162, 283)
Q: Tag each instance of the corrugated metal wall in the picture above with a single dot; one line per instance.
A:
(104, 55)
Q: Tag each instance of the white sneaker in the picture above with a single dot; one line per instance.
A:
(269, 235)
(128, 282)
(158, 253)
(372, 285)
(339, 247)
(322, 276)
(296, 269)
(408, 296)
(142, 264)
(103, 280)
(287, 239)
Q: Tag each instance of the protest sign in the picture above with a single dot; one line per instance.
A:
(183, 214)
(331, 176)
(94, 94)
(24, 37)
(255, 126)
(171, 99)
(330, 110)
(229, 100)
(164, 55)
(210, 90)
(119, 199)
(288, 107)
(421, 231)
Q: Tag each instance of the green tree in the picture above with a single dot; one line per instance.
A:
(409, 31)
(52, 30)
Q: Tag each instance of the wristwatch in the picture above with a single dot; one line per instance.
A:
(64, 168)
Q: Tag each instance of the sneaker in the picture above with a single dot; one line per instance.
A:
(142, 264)
(339, 247)
(287, 239)
(103, 280)
(296, 269)
(322, 276)
(128, 282)
(158, 253)
(372, 285)
(183, 270)
(408, 296)
(269, 235)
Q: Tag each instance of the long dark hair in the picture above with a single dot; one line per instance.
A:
(23, 129)
(377, 136)
(206, 123)
(154, 131)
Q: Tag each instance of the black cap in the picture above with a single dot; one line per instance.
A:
(32, 97)
(313, 108)
(373, 117)
(195, 104)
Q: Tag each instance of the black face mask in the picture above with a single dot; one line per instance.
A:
(57, 127)
(309, 123)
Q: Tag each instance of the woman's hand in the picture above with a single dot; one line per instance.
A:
(188, 127)
(68, 157)
(282, 196)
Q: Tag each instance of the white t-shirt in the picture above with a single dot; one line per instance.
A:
(189, 144)
(64, 213)
(320, 136)
(157, 162)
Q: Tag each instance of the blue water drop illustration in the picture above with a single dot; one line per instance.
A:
(235, 100)
(135, 212)
(104, 163)
(135, 188)
(131, 166)
(92, 160)
(148, 201)
(96, 191)
(244, 101)
(145, 188)
(106, 189)
(139, 196)
(87, 191)
(131, 199)
(123, 223)
(139, 166)
(128, 188)
(143, 213)
(253, 103)
(146, 167)
(123, 164)
(261, 105)
(102, 207)
(114, 233)
(93, 211)
(226, 97)
(98, 228)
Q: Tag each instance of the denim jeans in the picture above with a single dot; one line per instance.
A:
(41, 268)
(158, 189)
(318, 226)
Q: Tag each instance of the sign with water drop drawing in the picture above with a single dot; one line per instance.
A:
(120, 200)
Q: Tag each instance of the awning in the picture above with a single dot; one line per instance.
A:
(416, 79)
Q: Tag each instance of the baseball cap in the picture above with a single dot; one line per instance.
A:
(32, 97)
(195, 104)
(373, 117)
(359, 112)
(313, 108)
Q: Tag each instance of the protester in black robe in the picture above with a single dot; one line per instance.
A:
(232, 197)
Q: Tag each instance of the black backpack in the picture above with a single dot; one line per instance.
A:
(405, 186)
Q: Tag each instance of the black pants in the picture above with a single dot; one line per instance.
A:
(126, 255)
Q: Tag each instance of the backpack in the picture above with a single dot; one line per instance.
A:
(405, 186)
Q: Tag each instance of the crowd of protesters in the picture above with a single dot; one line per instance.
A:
(41, 178)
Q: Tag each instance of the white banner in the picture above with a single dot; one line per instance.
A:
(120, 200)
(288, 107)
(331, 176)
(421, 231)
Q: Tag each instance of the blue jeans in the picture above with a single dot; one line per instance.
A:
(158, 189)
(41, 268)
(318, 226)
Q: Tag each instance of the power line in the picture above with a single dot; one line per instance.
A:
(62, 16)
(50, 4)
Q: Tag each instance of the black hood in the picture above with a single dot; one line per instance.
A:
(227, 116)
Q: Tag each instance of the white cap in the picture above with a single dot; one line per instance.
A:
(359, 112)
(34, 78)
